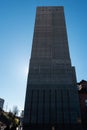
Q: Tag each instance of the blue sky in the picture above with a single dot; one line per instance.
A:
(17, 19)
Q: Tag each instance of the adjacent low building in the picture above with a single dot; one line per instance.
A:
(82, 85)
(1, 103)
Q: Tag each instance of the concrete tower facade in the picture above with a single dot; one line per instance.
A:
(51, 96)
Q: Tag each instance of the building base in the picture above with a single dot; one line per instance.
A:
(52, 127)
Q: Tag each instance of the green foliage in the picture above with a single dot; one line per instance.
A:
(16, 121)
(10, 117)
(13, 118)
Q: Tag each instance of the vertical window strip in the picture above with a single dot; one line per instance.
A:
(68, 98)
(43, 106)
(62, 108)
(31, 104)
(37, 106)
(55, 105)
(50, 106)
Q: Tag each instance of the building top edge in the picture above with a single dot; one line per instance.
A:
(48, 7)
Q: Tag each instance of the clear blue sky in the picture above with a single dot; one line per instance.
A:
(17, 19)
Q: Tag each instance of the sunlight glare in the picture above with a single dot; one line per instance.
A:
(26, 71)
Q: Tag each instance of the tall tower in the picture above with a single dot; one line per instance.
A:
(51, 96)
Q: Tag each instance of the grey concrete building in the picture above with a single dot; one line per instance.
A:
(51, 96)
